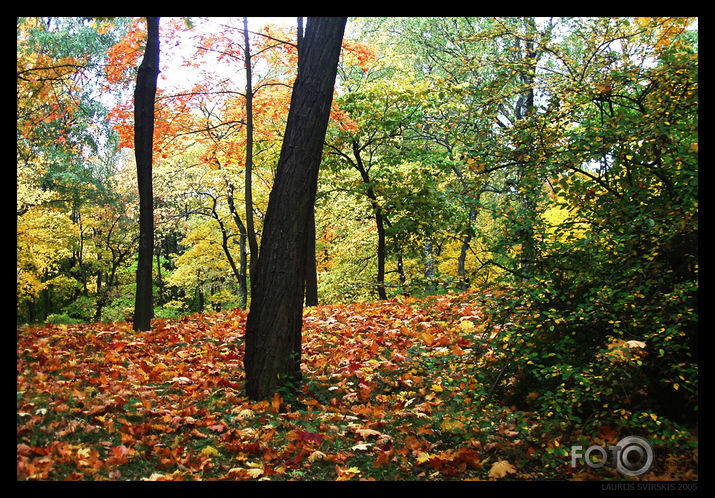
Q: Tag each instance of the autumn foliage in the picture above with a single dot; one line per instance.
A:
(523, 192)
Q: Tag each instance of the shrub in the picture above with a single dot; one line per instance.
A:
(61, 319)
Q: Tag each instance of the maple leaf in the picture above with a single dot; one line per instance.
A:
(384, 457)
(500, 469)
(427, 338)
(119, 454)
(255, 472)
(182, 380)
(300, 435)
(466, 326)
(607, 433)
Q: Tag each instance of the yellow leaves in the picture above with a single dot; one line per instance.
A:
(466, 326)
(345, 474)
(44, 237)
(210, 451)
(665, 29)
(500, 469)
(427, 338)
(451, 424)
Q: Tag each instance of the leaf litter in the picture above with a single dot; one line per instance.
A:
(387, 394)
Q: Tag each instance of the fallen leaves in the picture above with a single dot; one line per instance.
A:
(379, 401)
(168, 403)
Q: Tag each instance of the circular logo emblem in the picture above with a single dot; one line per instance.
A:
(634, 457)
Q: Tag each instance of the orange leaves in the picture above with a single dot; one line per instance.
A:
(358, 53)
(666, 29)
(276, 402)
(123, 57)
(119, 454)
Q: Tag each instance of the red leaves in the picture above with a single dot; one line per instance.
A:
(300, 435)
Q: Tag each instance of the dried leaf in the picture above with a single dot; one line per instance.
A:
(422, 457)
(316, 455)
(500, 469)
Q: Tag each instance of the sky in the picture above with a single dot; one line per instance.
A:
(176, 74)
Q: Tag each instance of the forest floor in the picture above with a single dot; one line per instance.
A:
(387, 394)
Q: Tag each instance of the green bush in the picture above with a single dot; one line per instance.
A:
(168, 312)
(62, 319)
(83, 308)
(119, 310)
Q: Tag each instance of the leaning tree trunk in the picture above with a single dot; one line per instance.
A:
(144, 95)
(275, 319)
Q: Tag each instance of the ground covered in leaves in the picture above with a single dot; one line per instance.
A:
(388, 394)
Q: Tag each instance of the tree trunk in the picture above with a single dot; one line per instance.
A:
(250, 229)
(429, 266)
(379, 221)
(462, 260)
(311, 270)
(144, 95)
(242, 282)
(275, 320)
(461, 263)
(159, 279)
(525, 105)
(224, 244)
(100, 298)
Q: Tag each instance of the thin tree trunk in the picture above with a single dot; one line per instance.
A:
(523, 111)
(159, 279)
(461, 263)
(144, 95)
(311, 270)
(429, 266)
(250, 228)
(379, 222)
(275, 320)
(242, 283)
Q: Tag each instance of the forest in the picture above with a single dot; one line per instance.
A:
(420, 248)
